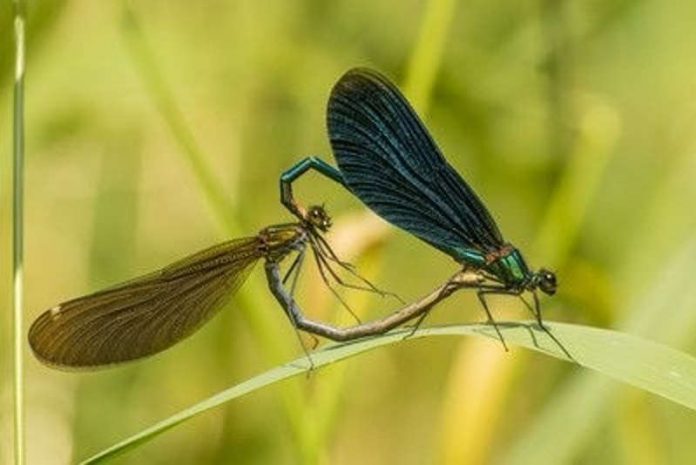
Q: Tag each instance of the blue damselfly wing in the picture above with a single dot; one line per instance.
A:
(390, 161)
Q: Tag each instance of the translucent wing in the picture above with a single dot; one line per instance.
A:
(390, 161)
(146, 315)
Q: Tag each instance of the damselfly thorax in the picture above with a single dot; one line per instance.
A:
(507, 267)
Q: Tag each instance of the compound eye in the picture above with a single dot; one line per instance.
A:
(317, 216)
(547, 282)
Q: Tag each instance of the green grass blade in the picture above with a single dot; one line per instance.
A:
(427, 54)
(18, 231)
(163, 97)
(423, 66)
(170, 111)
(577, 408)
(639, 362)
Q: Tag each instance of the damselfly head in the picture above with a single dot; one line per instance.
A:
(317, 217)
(546, 280)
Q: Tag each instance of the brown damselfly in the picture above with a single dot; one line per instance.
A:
(151, 313)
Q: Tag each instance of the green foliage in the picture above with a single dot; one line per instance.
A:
(638, 362)
(157, 129)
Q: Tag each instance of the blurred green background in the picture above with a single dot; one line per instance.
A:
(160, 129)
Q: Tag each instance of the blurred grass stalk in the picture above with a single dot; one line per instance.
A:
(585, 397)
(419, 81)
(18, 230)
(420, 78)
(311, 429)
(579, 408)
(265, 330)
(427, 53)
(359, 236)
(311, 425)
(165, 103)
(470, 424)
(464, 438)
(639, 430)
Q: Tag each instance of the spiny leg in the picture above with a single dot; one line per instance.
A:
(294, 322)
(296, 264)
(315, 339)
(278, 282)
(537, 313)
(350, 268)
(315, 342)
(321, 263)
(532, 335)
(480, 294)
(530, 308)
(300, 261)
(419, 321)
(415, 327)
(329, 254)
(324, 245)
(295, 269)
(322, 255)
(537, 310)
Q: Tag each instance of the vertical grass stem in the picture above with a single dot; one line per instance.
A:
(18, 232)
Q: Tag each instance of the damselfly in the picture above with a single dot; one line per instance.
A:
(387, 158)
(151, 313)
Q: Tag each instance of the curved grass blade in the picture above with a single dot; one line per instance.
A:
(639, 362)
(585, 398)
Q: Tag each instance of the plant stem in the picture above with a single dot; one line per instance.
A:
(172, 114)
(17, 230)
(427, 53)
(264, 328)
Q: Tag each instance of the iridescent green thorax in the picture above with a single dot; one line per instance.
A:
(506, 264)
(510, 268)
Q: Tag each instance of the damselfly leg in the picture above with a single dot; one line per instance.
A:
(320, 245)
(329, 254)
(481, 293)
(494, 289)
(323, 267)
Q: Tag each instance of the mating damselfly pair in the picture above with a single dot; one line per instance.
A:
(388, 160)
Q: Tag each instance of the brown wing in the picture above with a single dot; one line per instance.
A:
(146, 315)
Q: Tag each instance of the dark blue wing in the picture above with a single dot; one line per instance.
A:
(390, 161)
